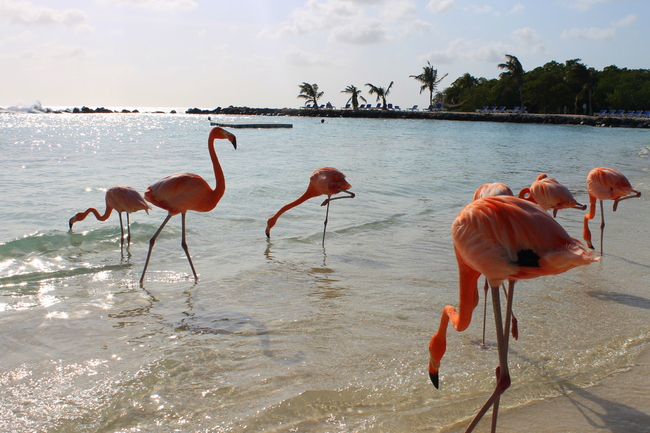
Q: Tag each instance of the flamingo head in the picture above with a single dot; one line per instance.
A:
(219, 132)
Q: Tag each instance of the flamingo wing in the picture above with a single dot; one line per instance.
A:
(179, 193)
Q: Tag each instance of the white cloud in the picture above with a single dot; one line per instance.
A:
(25, 13)
(627, 21)
(301, 58)
(160, 4)
(527, 36)
(400, 10)
(440, 6)
(417, 27)
(472, 50)
(584, 5)
(360, 22)
(517, 9)
(362, 33)
(593, 33)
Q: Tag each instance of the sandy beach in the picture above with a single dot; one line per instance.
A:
(601, 407)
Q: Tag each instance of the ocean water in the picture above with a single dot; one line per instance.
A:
(287, 334)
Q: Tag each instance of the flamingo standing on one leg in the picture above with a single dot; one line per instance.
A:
(503, 238)
(181, 192)
(605, 184)
(324, 181)
(490, 190)
(122, 199)
(550, 194)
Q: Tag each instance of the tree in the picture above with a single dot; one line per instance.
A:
(356, 95)
(429, 80)
(467, 82)
(579, 76)
(310, 93)
(380, 92)
(514, 74)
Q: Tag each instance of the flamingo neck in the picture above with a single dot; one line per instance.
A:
(220, 188)
(82, 215)
(310, 193)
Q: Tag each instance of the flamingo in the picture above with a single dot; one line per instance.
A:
(324, 181)
(181, 192)
(122, 199)
(503, 238)
(490, 190)
(550, 194)
(605, 184)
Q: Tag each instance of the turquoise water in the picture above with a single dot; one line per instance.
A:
(286, 334)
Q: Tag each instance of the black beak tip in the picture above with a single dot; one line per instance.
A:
(434, 379)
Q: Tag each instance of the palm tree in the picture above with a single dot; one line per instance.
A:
(578, 75)
(310, 93)
(429, 80)
(381, 93)
(467, 82)
(514, 74)
(356, 95)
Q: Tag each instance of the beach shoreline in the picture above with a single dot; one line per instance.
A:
(601, 407)
(604, 120)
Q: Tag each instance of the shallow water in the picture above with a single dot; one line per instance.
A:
(286, 334)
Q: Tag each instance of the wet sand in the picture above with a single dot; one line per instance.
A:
(620, 403)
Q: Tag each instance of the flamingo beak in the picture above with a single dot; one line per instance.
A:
(434, 379)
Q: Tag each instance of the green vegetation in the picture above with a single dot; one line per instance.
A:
(310, 93)
(429, 80)
(554, 88)
(381, 93)
(356, 95)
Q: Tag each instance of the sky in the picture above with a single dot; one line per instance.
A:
(256, 53)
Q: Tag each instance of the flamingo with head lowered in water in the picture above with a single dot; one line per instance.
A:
(324, 181)
(503, 238)
(122, 199)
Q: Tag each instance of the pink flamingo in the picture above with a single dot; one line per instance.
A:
(181, 192)
(605, 184)
(503, 238)
(324, 181)
(550, 194)
(122, 199)
(491, 190)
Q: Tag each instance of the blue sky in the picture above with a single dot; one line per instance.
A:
(200, 53)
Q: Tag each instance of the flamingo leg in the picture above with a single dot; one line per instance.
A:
(325, 222)
(502, 373)
(485, 289)
(638, 194)
(121, 229)
(151, 244)
(329, 199)
(602, 226)
(184, 245)
(128, 228)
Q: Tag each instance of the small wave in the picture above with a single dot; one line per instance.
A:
(34, 107)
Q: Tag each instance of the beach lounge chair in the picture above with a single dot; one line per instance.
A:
(397, 107)
(390, 106)
(501, 110)
(378, 105)
(602, 112)
(515, 110)
(493, 109)
(621, 112)
(413, 108)
(347, 107)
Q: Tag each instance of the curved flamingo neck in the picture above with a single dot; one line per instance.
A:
(220, 188)
(82, 215)
(310, 193)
